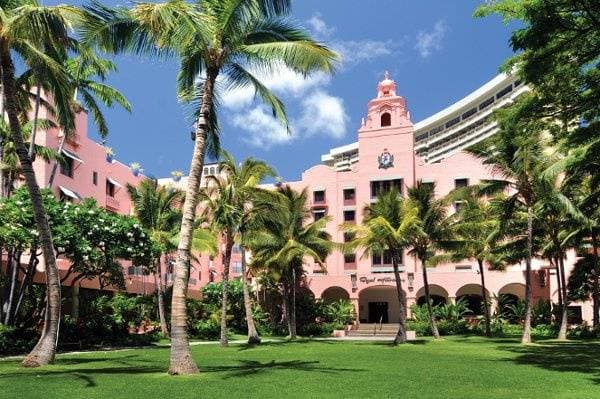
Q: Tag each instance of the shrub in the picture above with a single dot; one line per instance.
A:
(317, 329)
(16, 340)
(207, 329)
(340, 312)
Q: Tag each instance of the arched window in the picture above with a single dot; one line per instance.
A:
(386, 119)
(212, 170)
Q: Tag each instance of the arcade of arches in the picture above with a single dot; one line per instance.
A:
(380, 304)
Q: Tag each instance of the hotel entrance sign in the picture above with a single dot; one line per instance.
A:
(386, 160)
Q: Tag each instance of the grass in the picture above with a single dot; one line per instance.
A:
(457, 367)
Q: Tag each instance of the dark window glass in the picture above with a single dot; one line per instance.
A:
(348, 236)
(110, 189)
(95, 178)
(469, 113)
(504, 92)
(66, 167)
(461, 183)
(318, 215)
(452, 122)
(486, 103)
(387, 257)
(319, 196)
(386, 119)
(349, 194)
(349, 216)
(350, 258)
(376, 259)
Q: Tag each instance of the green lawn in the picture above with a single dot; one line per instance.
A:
(453, 368)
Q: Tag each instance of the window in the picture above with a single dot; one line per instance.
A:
(211, 277)
(95, 178)
(66, 167)
(469, 113)
(349, 216)
(504, 92)
(463, 182)
(452, 122)
(349, 236)
(319, 214)
(237, 267)
(383, 186)
(205, 171)
(319, 196)
(135, 270)
(350, 258)
(349, 194)
(486, 103)
(110, 188)
(212, 170)
(386, 119)
(383, 259)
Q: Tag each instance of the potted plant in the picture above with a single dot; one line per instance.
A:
(176, 175)
(110, 154)
(136, 168)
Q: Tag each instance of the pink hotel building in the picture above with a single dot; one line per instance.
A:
(391, 151)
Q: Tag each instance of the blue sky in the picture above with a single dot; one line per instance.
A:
(435, 50)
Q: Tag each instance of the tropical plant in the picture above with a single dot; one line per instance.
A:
(212, 38)
(435, 233)
(282, 245)
(39, 37)
(453, 311)
(254, 206)
(476, 236)
(519, 155)
(340, 312)
(389, 224)
(156, 208)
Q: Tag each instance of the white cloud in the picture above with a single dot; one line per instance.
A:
(353, 52)
(428, 42)
(323, 114)
(283, 81)
(319, 26)
(264, 130)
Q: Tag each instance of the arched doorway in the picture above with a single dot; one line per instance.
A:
(378, 304)
(438, 295)
(335, 293)
(471, 294)
(510, 299)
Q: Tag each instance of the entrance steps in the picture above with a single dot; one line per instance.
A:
(374, 329)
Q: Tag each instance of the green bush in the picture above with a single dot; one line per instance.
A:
(207, 329)
(317, 329)
(340, 312)
(16, 340)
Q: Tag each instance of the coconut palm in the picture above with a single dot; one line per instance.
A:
(476, 236)
(388, 225)
(156, 208)
(255, 207)
(38, 36)
(282, 246)
(518, 155)
(436, 233)
(226, 39)
(87, 72)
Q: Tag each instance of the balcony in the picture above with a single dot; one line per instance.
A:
(112, 203)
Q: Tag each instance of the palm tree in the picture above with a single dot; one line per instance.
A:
(39, 36)
(156, 208)
(212, 38)
(254, 208)
(281, 247)
(388, 225)
(83, 71)
(518, 154)
(435, 233)
(477, 234)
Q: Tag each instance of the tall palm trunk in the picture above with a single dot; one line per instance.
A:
(401, 334)
(486, 303)
(36, 113)
(562, 332)
(293, 325)
(181, 361)
(526, 338)
(13, 262)
(226, 263)
(432, 322)
(44, 351)
(596, 281)
(253, 337)
(287, 308)
(558, 282)
(160, 299)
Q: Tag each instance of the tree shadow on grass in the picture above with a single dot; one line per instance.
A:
(301, 341)
(580, 357)
(253, 367)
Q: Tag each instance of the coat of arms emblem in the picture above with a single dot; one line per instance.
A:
(386, 160)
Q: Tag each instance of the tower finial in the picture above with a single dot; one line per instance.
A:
(386, 75)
